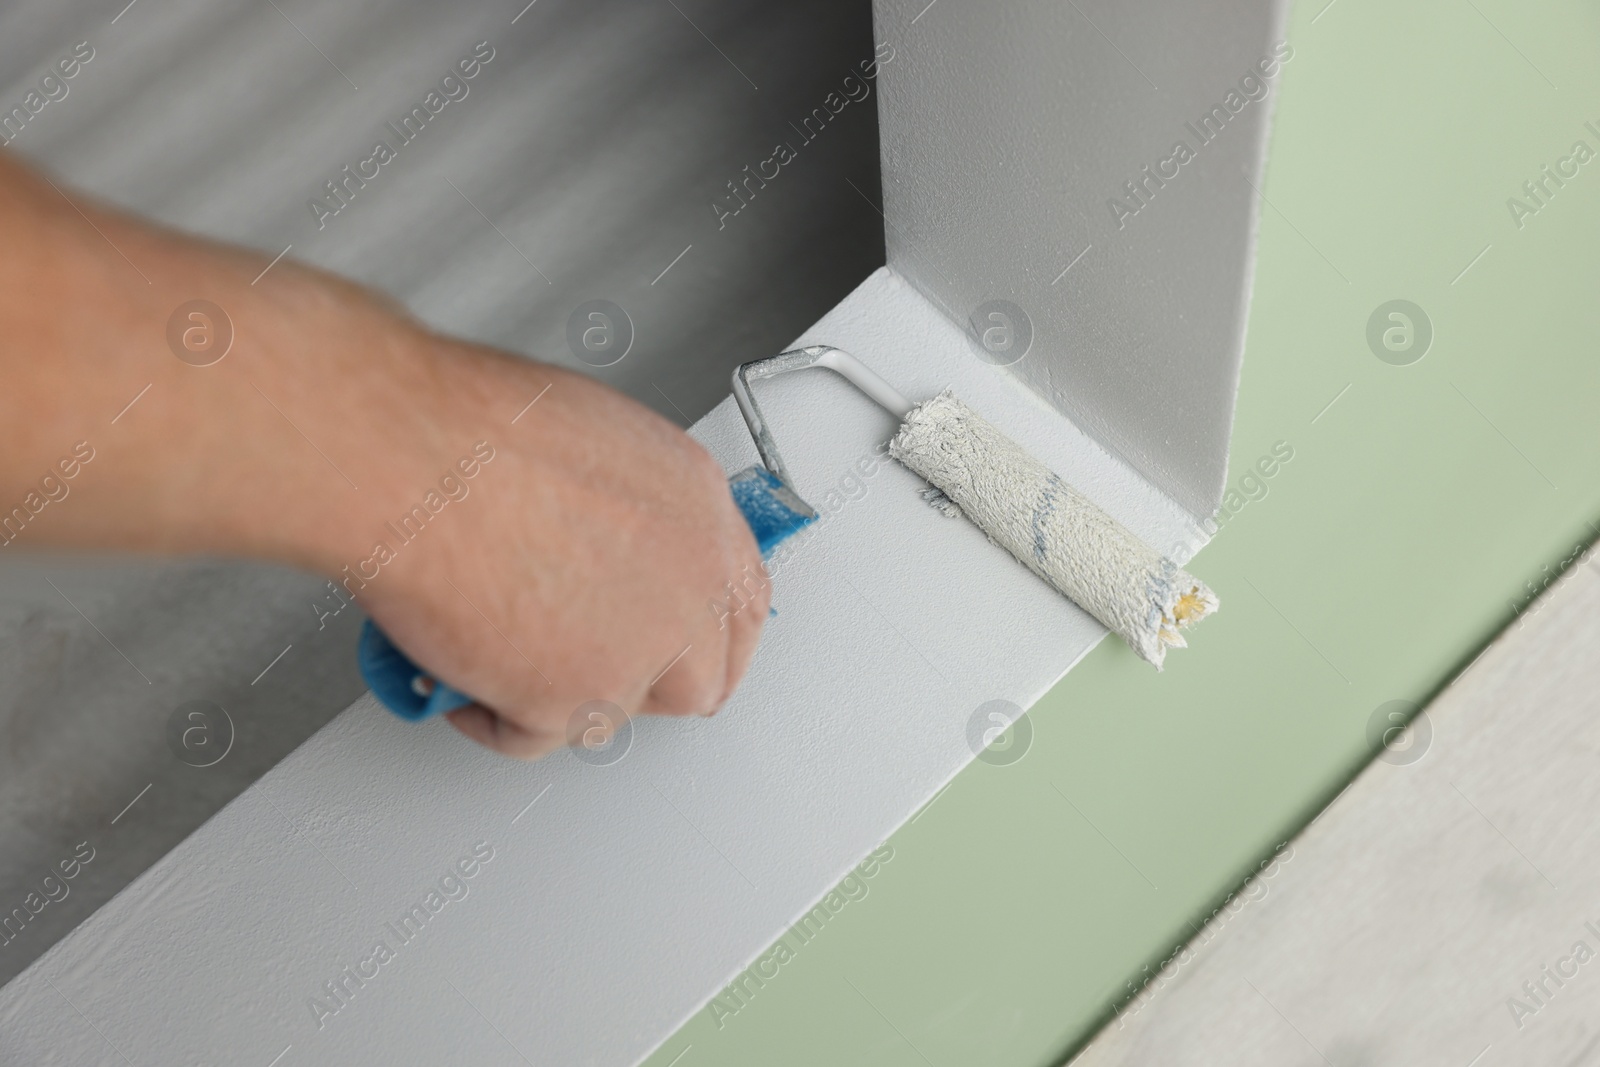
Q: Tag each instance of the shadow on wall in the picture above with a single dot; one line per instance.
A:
(588, 164)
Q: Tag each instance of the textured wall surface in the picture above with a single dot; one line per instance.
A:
(1011, 132)
(594, 143)
(627, 894)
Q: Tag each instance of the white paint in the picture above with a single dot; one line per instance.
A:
(622, 900)
(1007, 128)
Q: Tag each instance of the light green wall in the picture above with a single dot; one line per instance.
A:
(1386, 552)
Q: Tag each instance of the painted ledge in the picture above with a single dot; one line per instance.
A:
(618, 899)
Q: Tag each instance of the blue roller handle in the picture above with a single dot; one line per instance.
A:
(773, 510)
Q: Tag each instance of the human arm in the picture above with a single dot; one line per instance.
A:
(588, 549)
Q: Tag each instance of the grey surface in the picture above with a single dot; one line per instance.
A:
(1008, 128)
(593, 145)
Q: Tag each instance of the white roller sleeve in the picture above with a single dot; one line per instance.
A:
(1058, 532)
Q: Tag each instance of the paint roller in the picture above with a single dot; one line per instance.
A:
(973, 470)
(1021, 504)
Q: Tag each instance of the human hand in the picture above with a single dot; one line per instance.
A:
(583, 552)
(538, 557)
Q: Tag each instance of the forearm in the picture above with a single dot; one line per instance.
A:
(117, 430)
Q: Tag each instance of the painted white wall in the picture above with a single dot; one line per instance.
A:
(1006, 130)
(627, 895)
(619, 899)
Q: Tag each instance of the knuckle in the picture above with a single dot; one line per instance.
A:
(696, 689)
(702, 465)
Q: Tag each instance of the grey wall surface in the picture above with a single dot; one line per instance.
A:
(586, 160)
(1009, 132)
